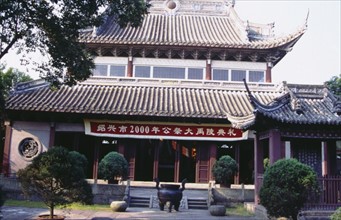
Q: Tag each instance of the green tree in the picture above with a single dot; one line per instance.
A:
(57, 176)
(9, 78)
(334, 84)
(287, 185)
(53, 27)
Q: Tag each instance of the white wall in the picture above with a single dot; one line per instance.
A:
(40, 132)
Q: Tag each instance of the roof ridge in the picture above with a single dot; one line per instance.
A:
(191, 84)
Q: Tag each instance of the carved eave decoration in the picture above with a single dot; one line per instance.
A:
(196, 53)
(336, 102)
(278, 103)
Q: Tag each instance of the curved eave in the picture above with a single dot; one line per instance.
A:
(186, 31)
(283, 44)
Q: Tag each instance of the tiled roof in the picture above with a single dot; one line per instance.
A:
(122, 97)
(299, 105)
(197, 30)
(306, 105)
(289, 104)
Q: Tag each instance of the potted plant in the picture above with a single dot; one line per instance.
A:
(224, 170)
(56, 176)
(113, 167)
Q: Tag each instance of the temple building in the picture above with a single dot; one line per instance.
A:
(170, 96)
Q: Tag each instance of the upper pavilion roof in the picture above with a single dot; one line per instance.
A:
(196, 23)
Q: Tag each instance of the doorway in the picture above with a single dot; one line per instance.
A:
(166, 158)
(187, 160)
(145, 151)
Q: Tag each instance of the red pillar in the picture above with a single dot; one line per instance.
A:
(156, 159)
(7, 149)
(324, 153)
(259, 168)
(268, 77)
(213, 159)
(208, 70)
(52, 134)
(237, 158)
(275, 147)
(130, 67)
(96, 158)
(177, 148)
(120, 148)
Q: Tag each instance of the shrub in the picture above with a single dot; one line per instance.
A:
(266, 163)
(286, 187)
(112, 166)
(336, 215)
(57, 177)
(224, 169)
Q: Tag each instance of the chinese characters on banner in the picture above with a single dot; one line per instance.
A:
(158, 130)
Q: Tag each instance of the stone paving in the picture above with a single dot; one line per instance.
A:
(22, 213)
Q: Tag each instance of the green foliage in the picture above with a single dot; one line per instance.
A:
(57, 177)
(10, 77)
(53, 28)
(336, 215)
(224, 169)
(266, 163)
(286, 187)
(334, 84)
(113, 165)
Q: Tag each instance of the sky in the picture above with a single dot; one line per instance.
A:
(315, 58)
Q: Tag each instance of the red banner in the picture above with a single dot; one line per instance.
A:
(163, 130)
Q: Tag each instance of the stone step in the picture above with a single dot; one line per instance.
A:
(139, 201)
(151, 191)
(197, 203)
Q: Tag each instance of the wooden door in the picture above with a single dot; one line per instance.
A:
(206, 157)
(203, 164)
(130, 154)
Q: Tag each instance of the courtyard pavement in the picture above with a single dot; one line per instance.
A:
(23, 213)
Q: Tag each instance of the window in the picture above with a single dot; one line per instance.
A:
(256, 76)
(169, 72)
(117, 70)
(100, 70)
(142, 71)
(238, 75)
(219, 74)
(195, 73)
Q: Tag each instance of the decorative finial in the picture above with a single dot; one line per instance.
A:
(306, 20)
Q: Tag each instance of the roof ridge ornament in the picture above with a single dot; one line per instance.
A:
(336, 100)
(306, 19)
(337, 106)
(295, 103)
(259, 106)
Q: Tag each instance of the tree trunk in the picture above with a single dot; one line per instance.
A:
(52, 210)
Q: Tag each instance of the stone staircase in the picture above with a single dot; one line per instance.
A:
(197, 203)
(144, 194)
(136, 201)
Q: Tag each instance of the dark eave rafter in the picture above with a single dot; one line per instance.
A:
(171, 52)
